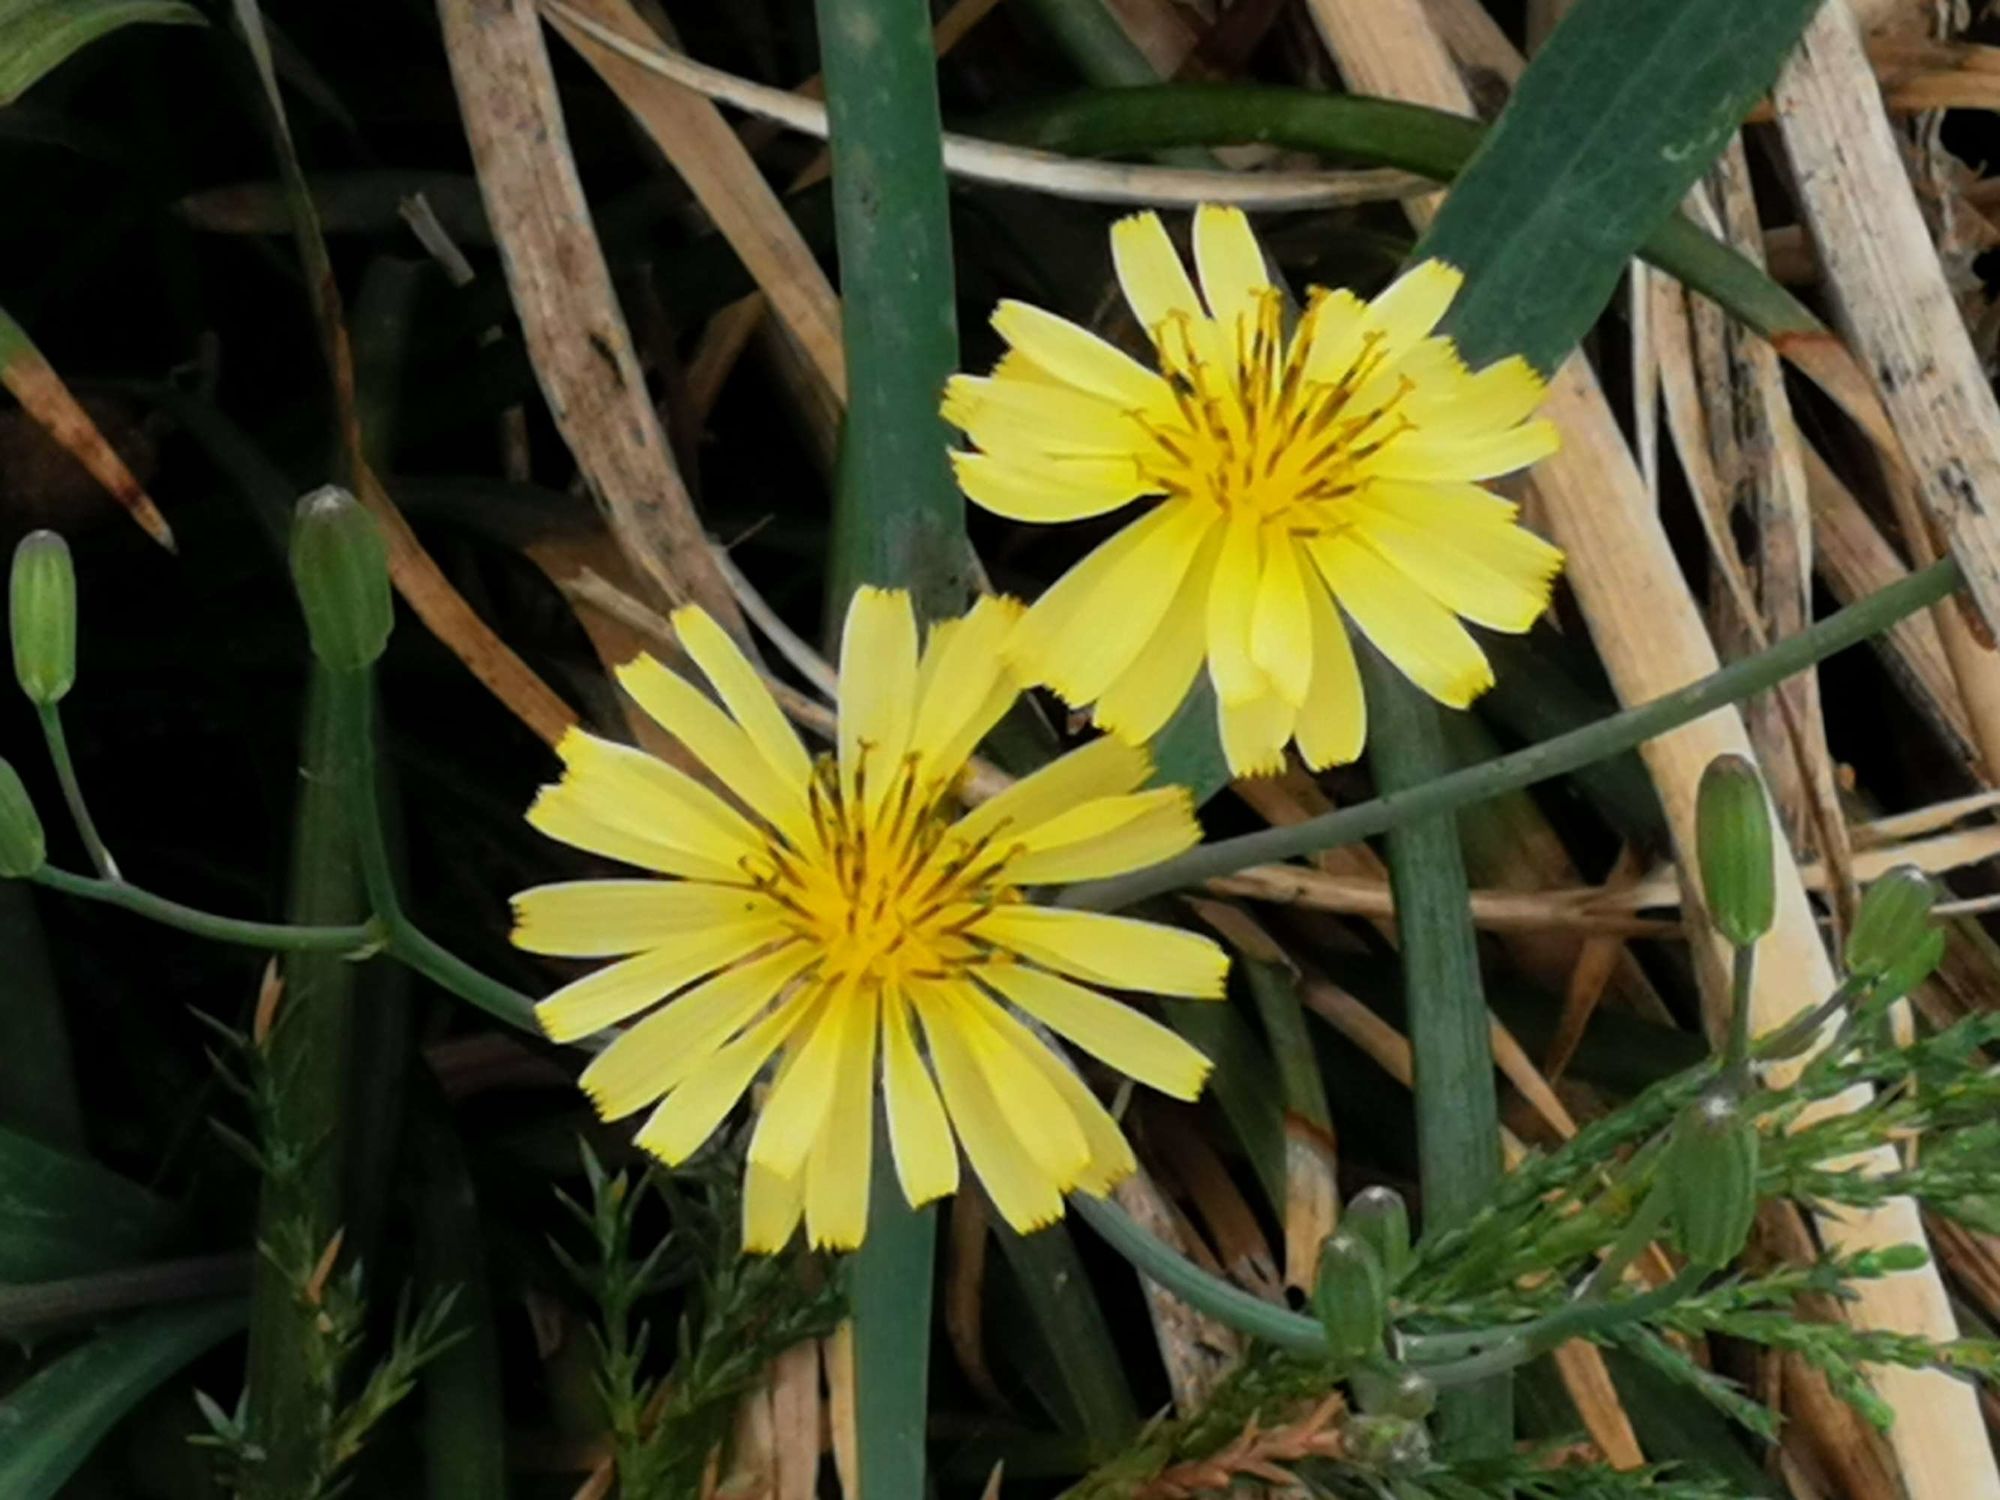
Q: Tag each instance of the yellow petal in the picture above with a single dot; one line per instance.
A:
(1111, 1159)
(610, 918)
(647, 1059)
(878, 683)
(691, 1112)
(1032, 1108)
(1413, 303)
(1333, 721)
(1112, 1032)
(1022, 417)
(1043, 490)
(963, 685)
(802, 1094)
(617, 784)
(1107, 837)
(1281, 639)
(1119, 951)
(1443, 505)
(843, 1151)
(618, 990)
(1254, 734)
(1080, 634)
(1332, 329)
(1079, 357)
(1140, 700)
(772, 1206)
(1415, 454)
(1502, 394)
(1150, 272)
(1102, 768)
(919, 1134)
(743, 693)
(719, 743)
(1496, 576)
(1018, 1188)
(1421, 636)
(1229, 261)
(1232, 604)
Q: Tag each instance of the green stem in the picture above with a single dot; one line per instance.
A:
(1742, 971)
(1525, 767)
(1457, 1104)
(1204, 1293)
(72, 790)
(1373, 132)
(1579, 1319)
(280, 937)
(353, 705)
(447, 969)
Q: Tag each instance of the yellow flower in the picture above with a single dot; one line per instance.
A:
(1336, 466)
(837, 914)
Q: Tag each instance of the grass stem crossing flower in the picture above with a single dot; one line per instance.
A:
(1306, 478)
(841, 916)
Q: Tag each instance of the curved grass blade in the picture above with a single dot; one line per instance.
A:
(53, 1422)
(38, 36)
(62, 1215)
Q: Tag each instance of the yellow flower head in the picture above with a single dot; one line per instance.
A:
(839, 915)
(1336, 466)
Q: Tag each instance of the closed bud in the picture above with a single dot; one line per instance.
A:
(41, 606)
(341, 571)
(1711, 1179)
(1894, 918)
(1387, 1445)
(1915, 966)
(1380, 1217)
(1733, 844)
(1351, 1296)
(22, 850)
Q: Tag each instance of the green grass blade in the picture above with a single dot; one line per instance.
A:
(1458, 1108)
(1083, 1360)
(52, 1423)
(61, 1215)
(37, 1086)
(38, 36)
(898, 521)
(1612, 123)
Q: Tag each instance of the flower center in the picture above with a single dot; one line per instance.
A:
(889, 893)
(1253, 433)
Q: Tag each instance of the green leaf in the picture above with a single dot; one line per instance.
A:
(52, 1423)
(1083, 1375)
(1620, 112)
(37, 36)
(61, 1215)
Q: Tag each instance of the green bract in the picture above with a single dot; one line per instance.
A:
(341, 570)
(1351, 1296)
(22, 848)
(1892, 924)
(41, 600)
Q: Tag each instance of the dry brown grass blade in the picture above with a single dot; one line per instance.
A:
(1192, 1165)
(724, 179)
(964, 1300)
(796, 1428)
(33, 382)
(1884, 273)
(576, 334)
(1648, 631)
(1196, 1350)
(837, 1358)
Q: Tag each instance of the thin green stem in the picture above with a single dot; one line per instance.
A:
(447, 969)
(353, 695)
(1194, 1286)
(1373, 132)
(356, 941)
(1580, 1319)
(1742, 971)
(72, 790)
(1553, 757)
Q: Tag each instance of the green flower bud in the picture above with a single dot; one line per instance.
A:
(1379, 1216)
(22, 850)
(41, 598)
(341, 570)
(1351, 1296)
(1733, 844)
(1387, 1444)
(1711, 1179)
(1914, 966)
(1394, 1391)
(1893, 919)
